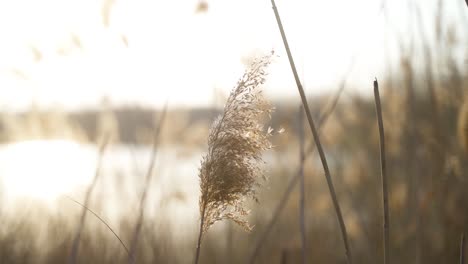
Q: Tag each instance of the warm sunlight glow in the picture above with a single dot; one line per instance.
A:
(45, 169)
(72, 53)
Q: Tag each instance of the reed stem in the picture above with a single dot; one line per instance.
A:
(462, 249)
(293, 180)
(316, 137)
(200, 234)
(302, 193)
(383, 164)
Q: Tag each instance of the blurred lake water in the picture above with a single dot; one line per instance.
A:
(48, 172)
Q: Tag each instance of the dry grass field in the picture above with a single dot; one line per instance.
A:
(350, 178)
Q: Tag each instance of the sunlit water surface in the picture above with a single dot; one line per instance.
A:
(50, 172)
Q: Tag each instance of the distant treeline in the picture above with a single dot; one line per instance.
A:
(128, 124)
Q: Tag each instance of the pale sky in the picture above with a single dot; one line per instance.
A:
(62, 53)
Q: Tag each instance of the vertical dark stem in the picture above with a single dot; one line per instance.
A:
(383, 163)
(200, 234)
(302, 197)
(284, 256)
(316, 137)
(462, 249)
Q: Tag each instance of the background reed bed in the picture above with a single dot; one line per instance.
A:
(422, 167)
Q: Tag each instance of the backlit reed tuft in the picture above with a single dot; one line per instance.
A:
(231, 170)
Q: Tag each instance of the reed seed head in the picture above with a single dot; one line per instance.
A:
(230, 172)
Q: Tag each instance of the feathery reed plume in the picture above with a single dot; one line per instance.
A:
(230, 171)
(383, 164)
(149, 176)
(316, 137)
(76, 240)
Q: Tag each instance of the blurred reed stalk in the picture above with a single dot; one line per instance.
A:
(302, 193)
(316, 137)
(462, 249)
(293, 181)
(146, 186)
(383, 164)
(284, 256)
(76, 240)
(412, 159)
(429, 76)
(229, 244)
(230, 172)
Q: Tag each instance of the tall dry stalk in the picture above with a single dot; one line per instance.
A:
(316, 137)
(462, 249)
(149, 176)
(293, 180)
(462, 126)
(302, 184)
(76, 240)
(230, 171)
(383, 164)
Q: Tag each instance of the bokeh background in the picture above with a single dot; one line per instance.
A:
(74, 73)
